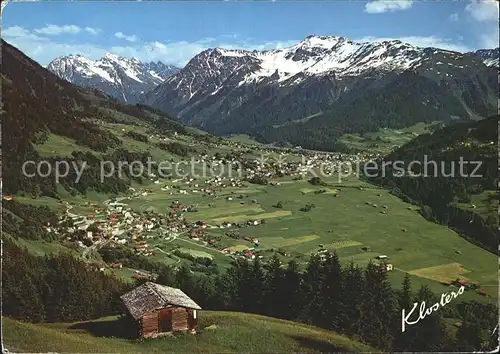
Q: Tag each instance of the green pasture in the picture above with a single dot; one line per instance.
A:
(218, 332)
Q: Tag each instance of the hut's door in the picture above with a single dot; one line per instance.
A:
(192, 320)
(165, 320)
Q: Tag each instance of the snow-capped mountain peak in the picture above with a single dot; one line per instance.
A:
(321, 55)
(122, 78)
(326, 42)
(111, 56)
(223, 89)
(488, 56)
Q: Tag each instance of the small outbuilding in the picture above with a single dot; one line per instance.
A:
(157, 309)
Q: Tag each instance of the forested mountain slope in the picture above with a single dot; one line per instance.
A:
(448, 187)
(37, 103)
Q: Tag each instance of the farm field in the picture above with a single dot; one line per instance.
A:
(244, 139)
(360, 221)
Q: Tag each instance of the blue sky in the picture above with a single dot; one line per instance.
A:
(174, 32)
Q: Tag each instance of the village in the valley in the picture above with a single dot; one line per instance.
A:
(129, 221)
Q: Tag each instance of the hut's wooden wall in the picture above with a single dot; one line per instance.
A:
(172, 319)
(179, 319)
(149, 325)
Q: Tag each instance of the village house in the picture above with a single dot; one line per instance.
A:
(249, 254)
(157, 309)
(387, 266)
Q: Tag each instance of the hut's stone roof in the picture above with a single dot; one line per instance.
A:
(150, 296)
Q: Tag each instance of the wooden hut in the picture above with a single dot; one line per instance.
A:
(159, 309)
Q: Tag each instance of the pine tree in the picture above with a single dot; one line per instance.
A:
(404, 340)
(379, 307)
(330, 292)
(273, 303)
(227, 285)
(55, 288)
(429, 334)
(206, 292)
(311, 288)
(184, 279)
(405, 294)
(257, 287)
(294, 299)
(350, 299)
(167, 277)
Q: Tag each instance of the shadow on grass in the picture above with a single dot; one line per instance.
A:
(118, 328)
(319, 345)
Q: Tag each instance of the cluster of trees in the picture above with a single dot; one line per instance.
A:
(55, 288)
(130, 259)
(256, 179)
(136, 136)
(27, 220)
(175, 148)
(358, 302)
(199, 264)
(443, 182)
(307, 207)
(316, 181)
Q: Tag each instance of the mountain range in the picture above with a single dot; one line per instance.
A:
(311, 93)
(308, 94)
(124, 79)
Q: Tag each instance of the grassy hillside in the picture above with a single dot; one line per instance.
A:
(226, 332)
